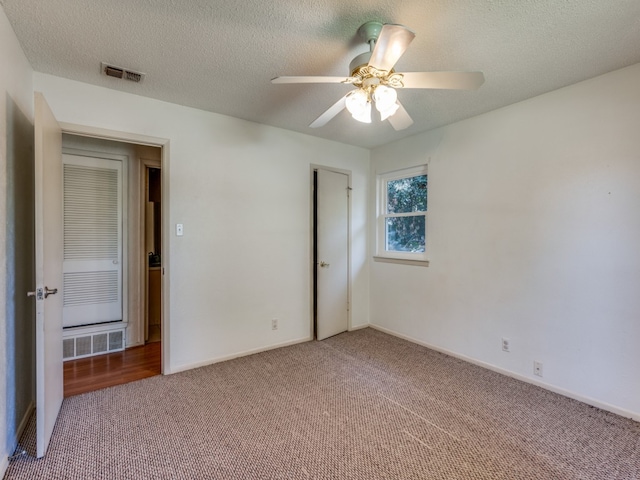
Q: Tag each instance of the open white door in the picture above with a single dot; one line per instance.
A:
(48, 256)
(332, 243)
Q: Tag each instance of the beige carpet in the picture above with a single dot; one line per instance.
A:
(362, 405)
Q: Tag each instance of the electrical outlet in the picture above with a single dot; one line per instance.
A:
(537, 368)
(505, 345)
(274, 324)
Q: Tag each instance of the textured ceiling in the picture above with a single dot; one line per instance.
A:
(220, 55)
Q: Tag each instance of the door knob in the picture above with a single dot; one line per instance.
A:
(38, 293)
(48, 291)
(41, 294)
(324, 264)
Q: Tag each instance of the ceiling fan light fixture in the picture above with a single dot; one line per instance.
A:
(375, 80)
(363, 116)
(386, 99)
(359, 105)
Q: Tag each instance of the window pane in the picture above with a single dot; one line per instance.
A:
(407, 195)
(405, 234)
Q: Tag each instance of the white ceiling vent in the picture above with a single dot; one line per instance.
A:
(121, 73)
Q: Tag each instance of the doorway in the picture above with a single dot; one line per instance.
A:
(152, 238)
(330, 252)
(140, 264)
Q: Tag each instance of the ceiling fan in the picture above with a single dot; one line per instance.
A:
(376, 81)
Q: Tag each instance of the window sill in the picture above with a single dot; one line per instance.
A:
(402, 261)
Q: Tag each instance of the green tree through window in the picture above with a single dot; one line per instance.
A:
(403, 212)
(407, 195)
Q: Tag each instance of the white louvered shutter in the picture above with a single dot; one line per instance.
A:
(92, 290)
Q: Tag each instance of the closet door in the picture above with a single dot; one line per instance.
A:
(332, 243)
(92, 266)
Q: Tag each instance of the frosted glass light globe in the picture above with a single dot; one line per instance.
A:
(385, 98)
(359, 106)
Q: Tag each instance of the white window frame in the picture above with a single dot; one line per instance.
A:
(418, 258)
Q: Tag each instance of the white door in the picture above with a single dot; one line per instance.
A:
(332, 243)
(48, 257)
(92, 240)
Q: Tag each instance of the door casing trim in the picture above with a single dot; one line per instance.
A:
(164, 145)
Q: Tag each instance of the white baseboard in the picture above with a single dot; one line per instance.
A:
(4, 460)
(190, 366)
(561, 391)
(359, 327)
(23, 423)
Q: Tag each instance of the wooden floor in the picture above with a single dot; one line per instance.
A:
(94, 373)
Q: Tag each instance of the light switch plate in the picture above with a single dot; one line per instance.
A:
(179, 229)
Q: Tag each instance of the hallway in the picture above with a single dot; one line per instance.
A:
(94, 373)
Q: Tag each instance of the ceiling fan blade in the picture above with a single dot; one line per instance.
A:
(310, 80)
(333, 110)
(445, 80)
(391, 44)
(401, 119)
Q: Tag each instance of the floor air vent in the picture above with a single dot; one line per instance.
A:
(90, 344)
(122, 73)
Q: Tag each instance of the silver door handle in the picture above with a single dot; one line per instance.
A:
(48, 291)
(38, 293)
(324, 264)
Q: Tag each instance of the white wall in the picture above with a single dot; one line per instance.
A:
(242, 191)
(534, 235)
(16, 116)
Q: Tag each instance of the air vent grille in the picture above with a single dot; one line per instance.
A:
(121, 73)
(113, 72)
(83, 346)
(68, 348)
(133, 76)
(116, 340)
(100, 342)
(89, 345)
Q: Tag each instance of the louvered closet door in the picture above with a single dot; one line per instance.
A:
(92, 265)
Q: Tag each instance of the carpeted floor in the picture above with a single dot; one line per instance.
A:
(361, 405)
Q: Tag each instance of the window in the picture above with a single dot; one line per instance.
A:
(402, 214)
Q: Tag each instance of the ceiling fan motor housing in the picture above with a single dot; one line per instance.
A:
(357, 63)
(370, 31)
